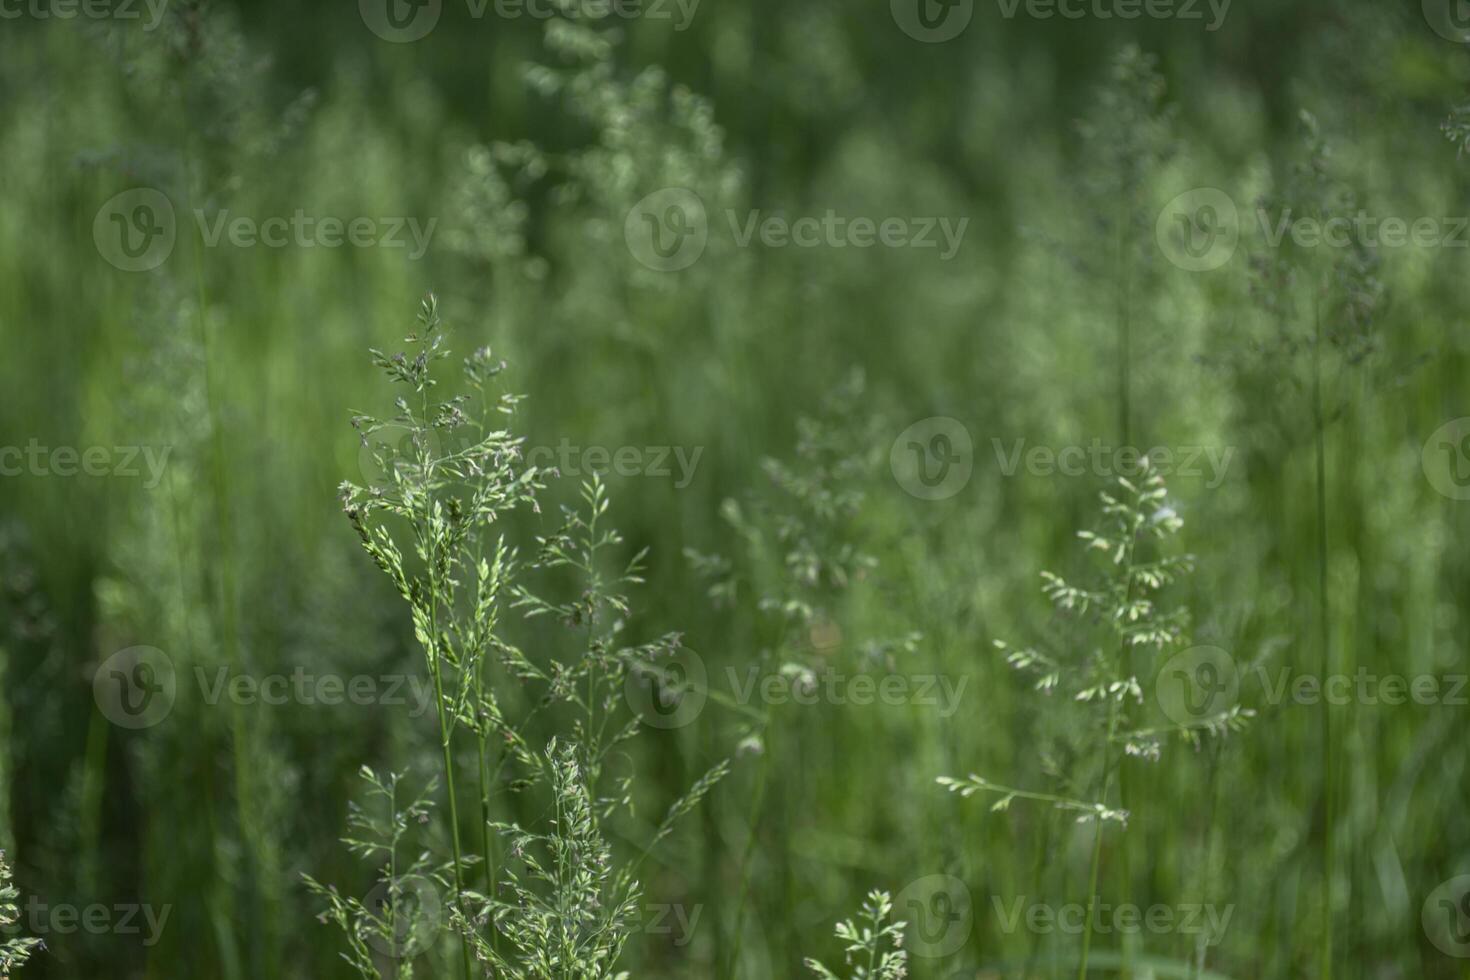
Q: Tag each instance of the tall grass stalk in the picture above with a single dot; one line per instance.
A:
(1126, 138)
(801, 549)
(563, 907)
(1329, 745)
(1124, 602)
(444, 495)
(1341, 295)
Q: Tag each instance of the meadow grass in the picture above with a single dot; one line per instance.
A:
(653, 737)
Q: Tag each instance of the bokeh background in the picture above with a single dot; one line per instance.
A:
(1065, 316)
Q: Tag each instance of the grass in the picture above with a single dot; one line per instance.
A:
(449, 484)
(865, 943)
(1124, 607)
(680, 728)
(15, 950)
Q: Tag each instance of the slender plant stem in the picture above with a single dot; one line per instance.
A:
(1091, 896)
(757, 801)
(485, 838)
(1328, 750)
(1217, 750)
(1125, 331)
(1107, 763)
(393, 868)
(1043, 851)
(487, 779)
(226, 609)
(1097, 843)
(436, 669)
(1125, 433)
(444, 733)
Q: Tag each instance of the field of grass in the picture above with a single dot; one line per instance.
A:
(595, 488)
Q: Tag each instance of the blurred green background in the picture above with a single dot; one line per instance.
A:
(527, 142)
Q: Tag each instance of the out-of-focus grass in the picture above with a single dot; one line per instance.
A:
(244, 363)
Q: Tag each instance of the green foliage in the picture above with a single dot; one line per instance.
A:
(450, 482)
(1323, 300)
(1103, 675)
(570, 911)
(866, 940)
(531, 140)
(449, 479)
(801, 536)
(398, 925)
(14, 950)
